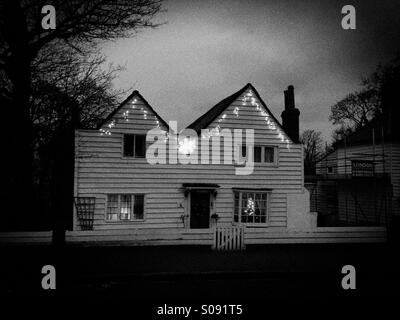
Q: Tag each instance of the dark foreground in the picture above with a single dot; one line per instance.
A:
(156, 275)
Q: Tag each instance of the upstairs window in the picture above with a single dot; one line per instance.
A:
(269, 154)
(262, 154)
(257, 153)
(134, 145)
(125, 207)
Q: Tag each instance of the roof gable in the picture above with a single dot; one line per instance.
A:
(374, 132)
(211, 115)
(135, 96)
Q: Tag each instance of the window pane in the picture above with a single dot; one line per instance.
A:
(112, 207)
(264, 196)
(250, 207)
(257, 154)
(269, 154)
(126, 207)
(140, 146)
(236, 208)
(128, 145)
(138, 206)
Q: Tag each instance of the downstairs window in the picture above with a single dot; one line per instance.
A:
(125, 207)
(251, 207)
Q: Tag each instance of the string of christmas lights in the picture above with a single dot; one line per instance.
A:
(247, 98)
(125, 116)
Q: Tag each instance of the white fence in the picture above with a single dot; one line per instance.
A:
(220, 238)
(229, 238)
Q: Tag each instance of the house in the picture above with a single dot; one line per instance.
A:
(190, 192)
(358, 183)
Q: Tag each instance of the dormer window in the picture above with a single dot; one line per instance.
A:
(134, 145)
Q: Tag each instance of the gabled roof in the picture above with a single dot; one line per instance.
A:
(133, 94)
(207, 118)
(365, 135)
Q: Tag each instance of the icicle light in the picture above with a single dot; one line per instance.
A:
(125, 116)
(248, 97)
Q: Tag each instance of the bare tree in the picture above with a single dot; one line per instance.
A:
(356, 109)
(360, 107)
(66, 83)
(313, 149)
(79, 25)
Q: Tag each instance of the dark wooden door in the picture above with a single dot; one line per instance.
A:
(199, 209)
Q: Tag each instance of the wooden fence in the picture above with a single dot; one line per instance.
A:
(221, 238)
(229, 238)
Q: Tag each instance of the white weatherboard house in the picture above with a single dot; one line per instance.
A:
(120, 197)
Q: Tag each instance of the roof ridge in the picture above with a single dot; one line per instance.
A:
(224, 102)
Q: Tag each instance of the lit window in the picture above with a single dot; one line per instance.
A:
(250, 207)
(134, 145)
(125, 207)
(112, 207)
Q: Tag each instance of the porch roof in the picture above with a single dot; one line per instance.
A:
(211, 186)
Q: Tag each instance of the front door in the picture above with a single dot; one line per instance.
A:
(200, 209)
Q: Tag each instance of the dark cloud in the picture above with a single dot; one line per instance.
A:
(209, 49)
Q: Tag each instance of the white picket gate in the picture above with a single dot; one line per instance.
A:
(229, 238)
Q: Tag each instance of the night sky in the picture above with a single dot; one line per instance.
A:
(210, 49)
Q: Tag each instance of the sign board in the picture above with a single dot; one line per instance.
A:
(362, 168)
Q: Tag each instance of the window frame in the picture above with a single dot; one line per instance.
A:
(275, 148)
(135, 135)
(268, 193)
(263, 147)
(132, 199)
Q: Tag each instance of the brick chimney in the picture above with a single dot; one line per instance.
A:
(290, 116)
